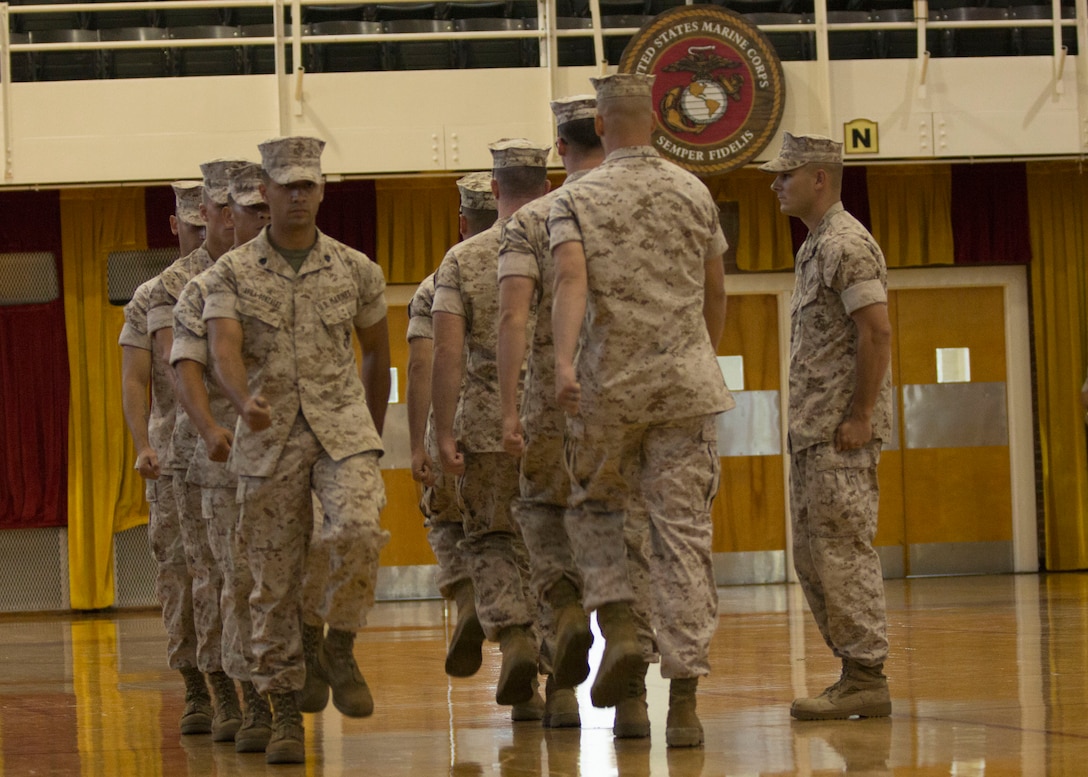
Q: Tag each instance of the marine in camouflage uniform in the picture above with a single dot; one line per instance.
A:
(535, 436)
(215, 419)
(465, 322)
(439, 499)
(638, 251)
(151, 431)
(280, 318)
(444, 521)
(203, 567)
(839, 413)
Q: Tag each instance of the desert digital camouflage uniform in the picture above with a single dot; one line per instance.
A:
(466, 286)
(173, 585)
(207, 577)
(297, 347)
(544, 483)
(445, 528)
(219, 489)
(834, 494)
(650, 388)
(218, 485)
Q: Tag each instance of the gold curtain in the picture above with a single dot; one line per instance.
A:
(105, 495)
(763, 235)
(911, 212)
(416, 225)
(1058, 198)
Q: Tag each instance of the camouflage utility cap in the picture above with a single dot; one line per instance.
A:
(293, 159)
(217, 178)
(800, 150)
(187, 196)
(475, 191)
(518, 152)
(623, 85)
(245, 184)
(579, 106)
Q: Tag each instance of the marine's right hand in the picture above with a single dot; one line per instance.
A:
(147, 463)
(257, 413)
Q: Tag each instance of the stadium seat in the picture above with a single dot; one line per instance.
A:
(206, 60)
(421, 54)
(349, 56)
(64, 65)
(496, 52)
(135, 63)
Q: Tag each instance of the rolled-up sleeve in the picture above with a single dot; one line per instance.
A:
(563, 226)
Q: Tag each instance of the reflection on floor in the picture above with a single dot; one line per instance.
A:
(989, 676)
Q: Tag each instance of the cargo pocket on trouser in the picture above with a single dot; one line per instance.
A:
(843, 492)
(709, 441)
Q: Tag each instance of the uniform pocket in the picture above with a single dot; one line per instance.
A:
(261, 323)
(709, 439)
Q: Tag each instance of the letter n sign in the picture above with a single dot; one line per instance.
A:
(861, 136)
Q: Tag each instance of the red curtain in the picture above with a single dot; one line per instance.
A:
(33, 378)
(990, 213)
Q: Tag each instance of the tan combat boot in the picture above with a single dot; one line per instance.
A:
(196, 718)
(228, 714)
(465, 654)
(632, 716)
(315, 693)
(530, 710)
(256, 728)
(622, 654)
(560, 706)
(573, 637)
(861, 692)
(350, 693)
(518, 666)
(288, 742)
(682, 726)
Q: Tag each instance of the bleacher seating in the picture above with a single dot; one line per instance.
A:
(420, 54)
(315, 14)
(135, 62)
(350, 56)
(486, 9)
(423, 18)
(789, 45)
(64, 65)
(849, 44)
(21, 67)
(979, 42)
(615, 44)
(109, 20)
(262, 59)
(191, 17)
(206, 60)
(408, 11)
(37, 22)
(493, 52)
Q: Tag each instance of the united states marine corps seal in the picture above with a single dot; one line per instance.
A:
(719, 92)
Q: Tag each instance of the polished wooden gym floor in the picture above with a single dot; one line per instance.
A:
(989, 676)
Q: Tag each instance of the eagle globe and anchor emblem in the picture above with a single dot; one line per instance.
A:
(719, 89)
(696, 106)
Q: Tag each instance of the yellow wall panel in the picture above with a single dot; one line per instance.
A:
(749, 511)
(950, 318)
(751, 331)
(401, 517)
(890, 527)
(398, 346)
(958, 495)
